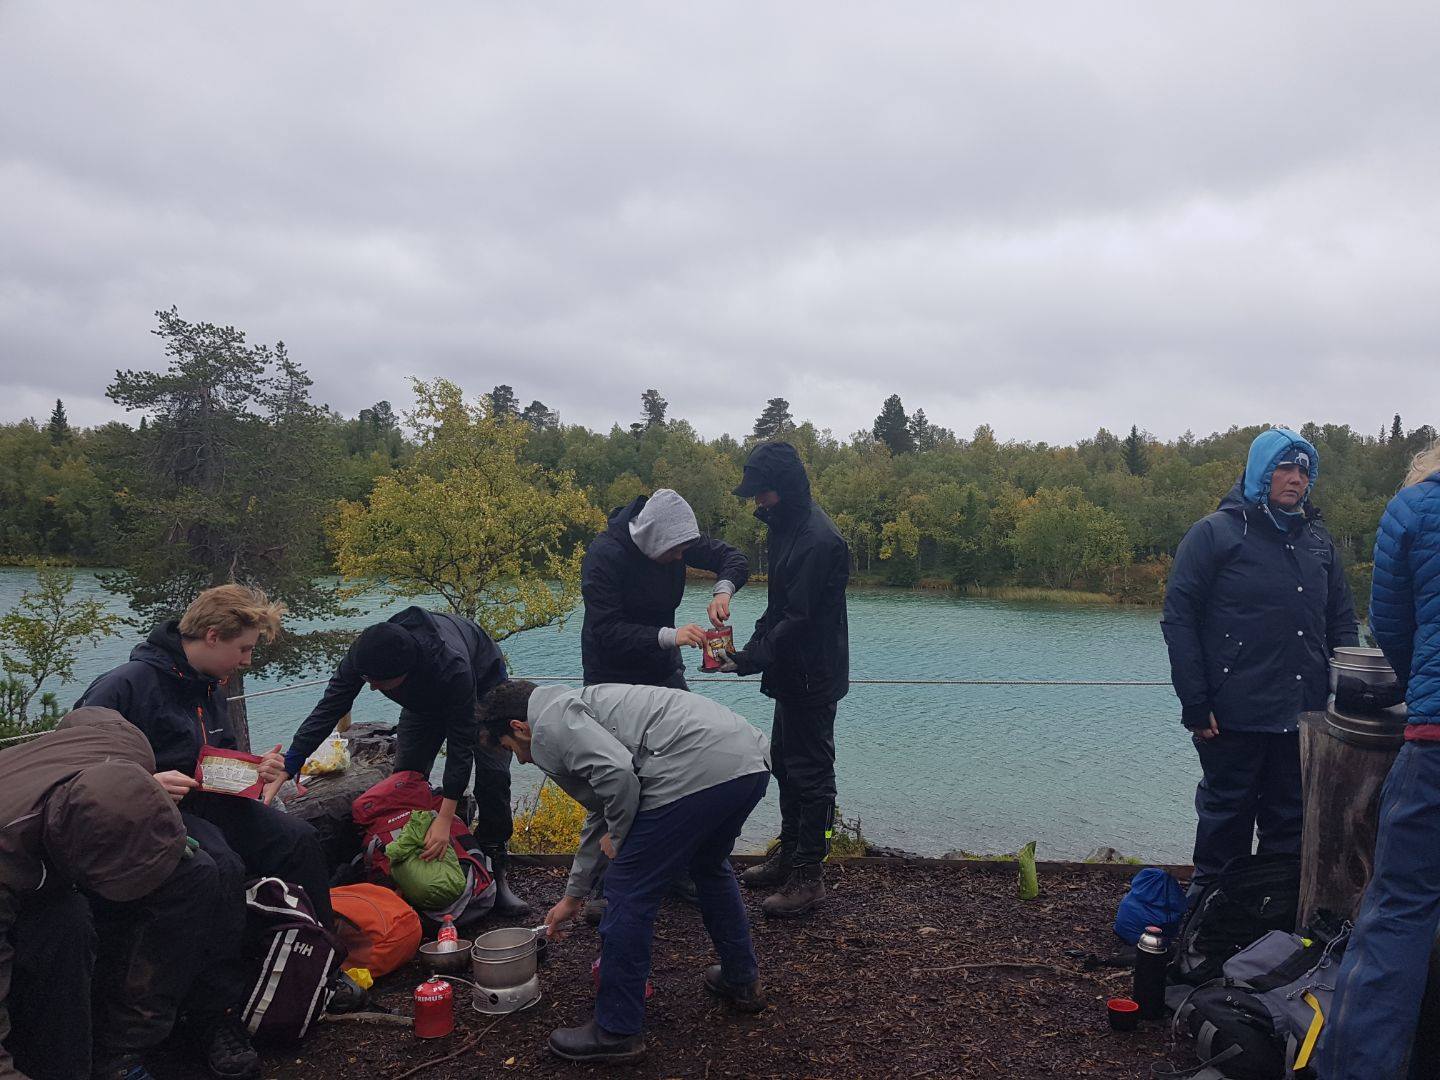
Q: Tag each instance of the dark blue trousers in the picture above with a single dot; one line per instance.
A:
(1382, 979)
(1251, 783)
(697, 832)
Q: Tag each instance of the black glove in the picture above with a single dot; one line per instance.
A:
(1195, 717)
(739, 663)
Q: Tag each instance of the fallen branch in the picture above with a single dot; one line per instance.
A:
(469, 1045)
(391, 1019)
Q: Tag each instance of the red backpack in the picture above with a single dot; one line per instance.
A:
(383, 810)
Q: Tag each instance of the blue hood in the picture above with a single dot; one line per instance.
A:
(1260, 466)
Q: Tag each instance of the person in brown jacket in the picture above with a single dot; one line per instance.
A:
(98, 887)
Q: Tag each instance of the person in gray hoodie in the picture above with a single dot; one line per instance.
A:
(668, 779)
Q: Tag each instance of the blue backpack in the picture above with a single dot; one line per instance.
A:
(1155, 899)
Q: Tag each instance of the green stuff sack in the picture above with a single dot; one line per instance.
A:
(429, 886)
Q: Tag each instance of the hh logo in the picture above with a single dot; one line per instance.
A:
(304, 948)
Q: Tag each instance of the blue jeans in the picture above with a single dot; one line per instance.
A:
(698, 832)
(1382, 979)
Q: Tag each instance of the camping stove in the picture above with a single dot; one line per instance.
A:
(499, 1002)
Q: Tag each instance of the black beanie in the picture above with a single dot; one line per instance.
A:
(384, 651)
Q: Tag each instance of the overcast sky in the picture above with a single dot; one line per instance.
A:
(1047, 217)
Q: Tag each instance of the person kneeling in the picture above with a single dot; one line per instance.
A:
(668, 779)
(99, 887)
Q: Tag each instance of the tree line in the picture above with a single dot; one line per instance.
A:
(230, 466)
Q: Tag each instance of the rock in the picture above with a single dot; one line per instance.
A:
(1106, 855)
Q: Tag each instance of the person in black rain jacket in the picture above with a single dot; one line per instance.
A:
(801, 645)
(435, 666)
(633, 579)
(1255, 603)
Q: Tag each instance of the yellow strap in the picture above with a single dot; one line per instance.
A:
(1308, 1046)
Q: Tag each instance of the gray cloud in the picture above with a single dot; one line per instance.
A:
(1050, 218)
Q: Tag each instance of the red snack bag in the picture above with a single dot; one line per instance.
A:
(718, 645)
(229, 772)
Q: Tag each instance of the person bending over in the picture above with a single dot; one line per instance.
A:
(668, 779)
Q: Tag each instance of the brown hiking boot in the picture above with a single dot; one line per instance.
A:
(773, 872)
(798, 896)
(742, 997)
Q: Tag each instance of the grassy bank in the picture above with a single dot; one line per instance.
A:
(1054, 596)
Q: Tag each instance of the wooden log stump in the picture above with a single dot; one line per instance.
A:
(327, 800)
(1342, 781)
(1344, 766)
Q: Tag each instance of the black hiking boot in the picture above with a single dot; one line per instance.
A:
(683, 889)
(595, 910)
(507, 904)
(591, 1042)
(742, 997)
(798, 896)
(227, 1050)
(773, 872)
(347, 996)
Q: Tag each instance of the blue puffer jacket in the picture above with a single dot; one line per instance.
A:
(1255, 603)
(1405, 594)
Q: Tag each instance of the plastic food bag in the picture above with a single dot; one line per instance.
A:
(332, 756)
(429, 886)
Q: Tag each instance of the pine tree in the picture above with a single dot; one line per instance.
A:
(652, 408)
(1397, 431)
(501, 401)
(540, 417)
(892, 426)
(774, 421)
(1135, 459)
(59, 426)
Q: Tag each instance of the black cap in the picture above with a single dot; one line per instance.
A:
(384, 651)
(752, 483)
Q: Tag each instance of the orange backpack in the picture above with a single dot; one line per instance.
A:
(380, 930)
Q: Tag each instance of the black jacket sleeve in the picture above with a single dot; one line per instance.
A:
(815, 588)
(460, 731)
(345, 686)
(725, 562)
(1186, 591)
(604, 595)
(1340, 623)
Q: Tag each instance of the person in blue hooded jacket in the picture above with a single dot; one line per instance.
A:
(1255, 603)
(1376, 1008)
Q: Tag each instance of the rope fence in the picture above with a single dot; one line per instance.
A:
(727, 679)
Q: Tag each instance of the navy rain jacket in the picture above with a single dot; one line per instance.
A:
(629, 597)
(802, 641)
(178, 709)
(1252, 612)
(458, 664)
(1405, 594)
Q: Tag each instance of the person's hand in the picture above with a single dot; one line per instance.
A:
(719, 610)
(272, 766)
(691, 635)
(437, 838)
(738, 664)
(270, 790)
(607, 845)
(567, 910)
(1210, 732)
(177, 784)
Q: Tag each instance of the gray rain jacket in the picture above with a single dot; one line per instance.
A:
(621, 750)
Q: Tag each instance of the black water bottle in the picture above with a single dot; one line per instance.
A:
(1150, 962)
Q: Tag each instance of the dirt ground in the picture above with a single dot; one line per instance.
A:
(908, 970)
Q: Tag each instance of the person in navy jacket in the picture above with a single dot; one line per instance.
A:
(1255, 603)
(1376, 1007)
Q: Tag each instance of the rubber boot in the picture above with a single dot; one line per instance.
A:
(804, 889)
(507, 904)
(771, 873)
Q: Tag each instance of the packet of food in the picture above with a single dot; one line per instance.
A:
(229, 772)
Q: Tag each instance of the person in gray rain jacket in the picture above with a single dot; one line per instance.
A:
(668, 779)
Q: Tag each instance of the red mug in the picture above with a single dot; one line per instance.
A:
(717, 648)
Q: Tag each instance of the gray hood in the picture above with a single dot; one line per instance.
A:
(664, 522)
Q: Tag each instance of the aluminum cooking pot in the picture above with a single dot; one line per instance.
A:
(502, 959)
